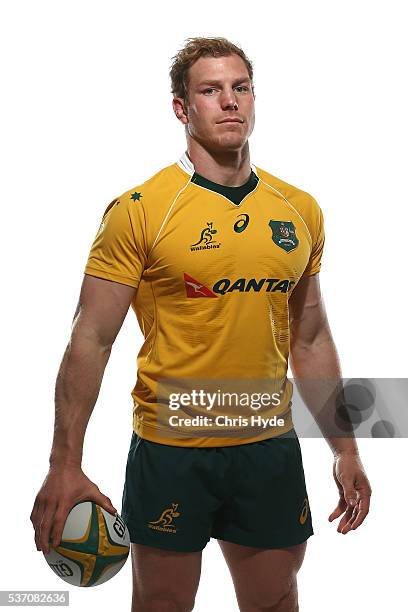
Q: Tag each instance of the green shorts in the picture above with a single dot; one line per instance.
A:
(253, 494)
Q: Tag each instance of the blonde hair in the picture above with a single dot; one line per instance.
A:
(194, 49)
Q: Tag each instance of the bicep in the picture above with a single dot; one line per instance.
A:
(102, 308)
(307, 314)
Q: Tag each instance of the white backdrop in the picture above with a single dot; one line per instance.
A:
(86, 114)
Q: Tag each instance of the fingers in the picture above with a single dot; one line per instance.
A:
(102, 500)
(54, 503)
(45, 528)
(355, 492)
(35, 518)
(353, 516)
(63, 511)
(364, 507)
(59, 524)
(341, 506)
(344, 525)
(106, 504)
(346, 528)
(349, 492)
(335, 514)
(43, 524)
(348, 512)
(364, 495)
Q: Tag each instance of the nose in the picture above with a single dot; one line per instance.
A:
(229, 101)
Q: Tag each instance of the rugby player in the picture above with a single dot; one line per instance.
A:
(220, 262)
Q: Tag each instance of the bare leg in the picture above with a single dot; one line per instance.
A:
(164, 580)
(264, 579)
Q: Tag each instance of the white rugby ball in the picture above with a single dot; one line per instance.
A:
(94, 546)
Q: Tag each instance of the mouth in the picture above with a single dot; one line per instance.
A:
(231, 120)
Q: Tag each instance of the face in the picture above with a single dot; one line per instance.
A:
(221, 111)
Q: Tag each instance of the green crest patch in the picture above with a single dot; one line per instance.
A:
(284, 235)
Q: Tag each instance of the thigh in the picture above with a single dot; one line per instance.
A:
(164, 579)
(171, 494)
(264, 577)
(269, 507)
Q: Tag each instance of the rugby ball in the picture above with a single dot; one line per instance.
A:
(93, 548)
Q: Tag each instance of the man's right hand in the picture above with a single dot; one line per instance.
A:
(63, 487)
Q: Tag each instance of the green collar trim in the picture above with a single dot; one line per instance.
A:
(235, 194)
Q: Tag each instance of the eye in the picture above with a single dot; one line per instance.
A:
(209, 89)
(242, 87)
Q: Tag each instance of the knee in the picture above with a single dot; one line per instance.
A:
(165, 603)
(280, 598)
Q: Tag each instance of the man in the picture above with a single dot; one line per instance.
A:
(220, 261)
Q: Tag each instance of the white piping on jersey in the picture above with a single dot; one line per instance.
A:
(168, 213)
(292, 207)
(187, 165)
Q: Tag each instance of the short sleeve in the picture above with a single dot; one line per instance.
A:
(118, 251)
(317, 234)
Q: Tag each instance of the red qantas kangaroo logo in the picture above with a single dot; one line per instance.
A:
(195, 289)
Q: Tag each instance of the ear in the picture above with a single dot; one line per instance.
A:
(180, 110)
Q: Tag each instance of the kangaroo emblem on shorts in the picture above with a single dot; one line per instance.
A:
(165, 521)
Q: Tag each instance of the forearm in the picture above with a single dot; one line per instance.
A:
(317, 373)
(77, 388)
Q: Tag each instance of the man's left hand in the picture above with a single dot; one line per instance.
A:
(354, 489)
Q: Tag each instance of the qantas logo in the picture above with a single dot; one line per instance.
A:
(196, 289)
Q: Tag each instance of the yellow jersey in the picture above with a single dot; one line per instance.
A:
(214, 268)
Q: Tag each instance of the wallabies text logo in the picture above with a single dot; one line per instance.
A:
(284, 235)
(304, 512)
(165, 521)
(206, 239)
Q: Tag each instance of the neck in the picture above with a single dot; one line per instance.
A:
(231, 168)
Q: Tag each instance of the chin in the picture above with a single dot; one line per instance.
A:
(229, 143)
(222, 144)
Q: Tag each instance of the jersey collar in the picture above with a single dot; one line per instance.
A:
(187, 165)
